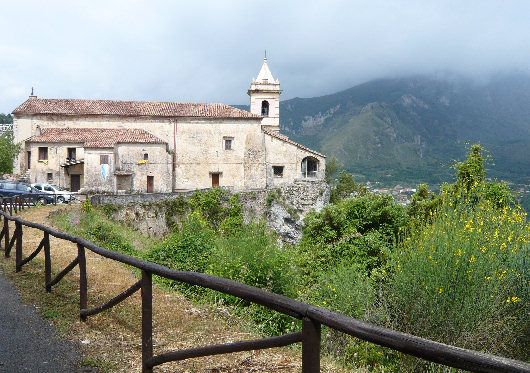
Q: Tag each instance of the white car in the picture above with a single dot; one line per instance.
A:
(61, 194)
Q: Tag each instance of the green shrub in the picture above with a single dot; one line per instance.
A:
(463, 280)
(176, 210)
(251, 256)
(189, 249)
(357, 230)
(86, 206)
(109, 209)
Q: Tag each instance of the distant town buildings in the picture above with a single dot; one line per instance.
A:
(5, 128)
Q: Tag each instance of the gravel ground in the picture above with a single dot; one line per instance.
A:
(27, 342)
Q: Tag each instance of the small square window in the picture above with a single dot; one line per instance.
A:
(43, 153)
(228, 143)
(277, 171)
(103, 159)
(50, 176)
(146, 156)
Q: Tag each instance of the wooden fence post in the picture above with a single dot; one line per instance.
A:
(18, 247)
(47, 262)
(6, 236)
(147, 320)
(310, 346)
(82, 281)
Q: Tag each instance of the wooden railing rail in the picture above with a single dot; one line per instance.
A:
(312, 316)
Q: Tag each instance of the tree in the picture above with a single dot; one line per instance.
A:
(8, 151)
(346, 187)
(470, 172)
(332, 167)
(6, 119)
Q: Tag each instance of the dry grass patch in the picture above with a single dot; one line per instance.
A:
(111, 341)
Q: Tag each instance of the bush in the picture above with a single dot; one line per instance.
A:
(357, 230)
(189, 249)
(463, 281)
(251, 256)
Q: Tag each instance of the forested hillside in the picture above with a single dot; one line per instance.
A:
(6, 118)
(410, 129)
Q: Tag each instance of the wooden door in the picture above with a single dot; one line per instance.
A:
(215, 180)
(75, 183)
(150, 184)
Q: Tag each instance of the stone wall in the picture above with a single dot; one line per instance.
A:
(282, 208)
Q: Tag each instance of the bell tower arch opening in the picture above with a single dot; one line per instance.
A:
(264, 108)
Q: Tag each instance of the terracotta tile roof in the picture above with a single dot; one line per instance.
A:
(95, 137)
(130, 108)
(279, 136)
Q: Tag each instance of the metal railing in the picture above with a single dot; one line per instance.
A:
(312, 316)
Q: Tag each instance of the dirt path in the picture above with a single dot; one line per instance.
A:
(114, 336)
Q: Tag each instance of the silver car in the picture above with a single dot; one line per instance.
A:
(61, 194)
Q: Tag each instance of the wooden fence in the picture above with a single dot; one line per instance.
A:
(312, 317)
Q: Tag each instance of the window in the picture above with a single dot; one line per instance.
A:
(104, 159)
(277, 171)
(29, 160)
(146, 156)
(43, 153)
(71, 156)
(265, 108)
(23, 187)
(50, 176)
(228, 143)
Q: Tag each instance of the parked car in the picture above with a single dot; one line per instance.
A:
(15, 188)
(62, 195)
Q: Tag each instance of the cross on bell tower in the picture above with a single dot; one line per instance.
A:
(264, 95)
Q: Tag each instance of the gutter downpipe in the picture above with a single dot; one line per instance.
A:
(174, 176)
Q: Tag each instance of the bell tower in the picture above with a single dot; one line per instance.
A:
(264, 95)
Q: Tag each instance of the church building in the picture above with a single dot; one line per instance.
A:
(107, 146)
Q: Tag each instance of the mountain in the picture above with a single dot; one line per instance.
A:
(412, 129)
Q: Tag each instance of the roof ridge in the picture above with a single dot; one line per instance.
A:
(288, 140)
(96, 137)
(131, 108)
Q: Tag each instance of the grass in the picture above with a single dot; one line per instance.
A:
(114, 339)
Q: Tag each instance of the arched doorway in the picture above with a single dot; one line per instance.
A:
(309, 167)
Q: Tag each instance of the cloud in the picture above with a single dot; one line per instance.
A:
(209, 51)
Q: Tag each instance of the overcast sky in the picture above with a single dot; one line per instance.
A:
(208, 51)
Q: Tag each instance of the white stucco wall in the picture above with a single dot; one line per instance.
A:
(158, 165)
(290, 156)
(201, 152)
